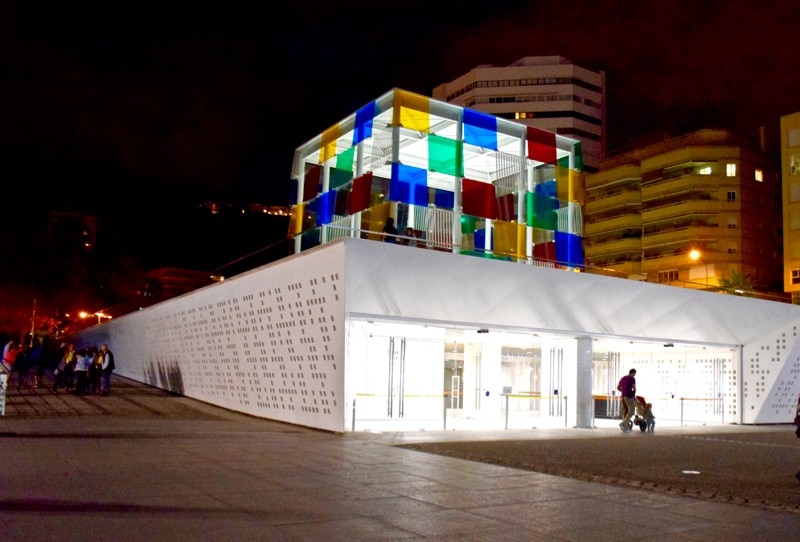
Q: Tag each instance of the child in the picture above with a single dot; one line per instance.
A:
(649, 419)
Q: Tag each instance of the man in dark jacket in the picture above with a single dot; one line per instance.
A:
(107, 357)
(627, 387)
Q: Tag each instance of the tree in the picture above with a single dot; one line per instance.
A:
(738, 284)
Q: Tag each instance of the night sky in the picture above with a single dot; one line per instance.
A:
(118, 104)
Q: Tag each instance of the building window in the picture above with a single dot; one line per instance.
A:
(795, 276)
(732, 248)
(730, 170)
(759, 176)
(732, 224)
(731, 196)
(668, 276)
(793, 137)
(794, 164)
(704, 170)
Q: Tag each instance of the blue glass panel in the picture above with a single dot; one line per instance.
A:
(363, 127)
(547, 188)
(443, 199)
(409, 185)
(569, 251)
(322, 206)
(480, 129)
(480, 240)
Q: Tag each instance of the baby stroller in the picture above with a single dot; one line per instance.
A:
(638, 416)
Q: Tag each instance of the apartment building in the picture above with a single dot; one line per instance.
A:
(790, 169)
(546, 92)
(689, 211)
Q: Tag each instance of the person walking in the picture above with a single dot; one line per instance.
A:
(59, 369)
(37, 362)
(10, 351)
(797, 431)
(82, 361)
(95, 372)
(22, 365)
(627, 387)
(69, 367)
(107, 359)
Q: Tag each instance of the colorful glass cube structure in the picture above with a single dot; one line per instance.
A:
(465, 181)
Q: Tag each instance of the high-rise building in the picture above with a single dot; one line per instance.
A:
(547, 92)
(790, 169)
(690, 211)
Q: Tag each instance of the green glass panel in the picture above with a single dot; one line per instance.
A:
(445, 155)
(338, 177)
(346, 159)
(468, 224)
(578, 156)
(540, 211)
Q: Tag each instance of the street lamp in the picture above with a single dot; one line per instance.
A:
(696, 255)
(100, 315)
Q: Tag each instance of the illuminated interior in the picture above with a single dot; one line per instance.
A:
(464, 181)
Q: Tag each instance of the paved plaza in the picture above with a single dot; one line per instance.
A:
(143, 464)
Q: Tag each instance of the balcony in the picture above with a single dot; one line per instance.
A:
(617, 176)
(679, 236)
(617, 223)
(678, 185)
(623, 199)
(682, 209)
(629, 245)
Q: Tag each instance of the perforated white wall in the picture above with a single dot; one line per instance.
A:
(271, 342)
(770, 381)
(267, 343)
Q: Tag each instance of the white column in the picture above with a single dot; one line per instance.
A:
(456, 224)
(583, 387)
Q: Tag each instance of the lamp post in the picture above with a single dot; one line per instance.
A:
(696, 255)
(100, 315)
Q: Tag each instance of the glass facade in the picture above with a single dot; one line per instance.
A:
(464, 181)
(412, 377)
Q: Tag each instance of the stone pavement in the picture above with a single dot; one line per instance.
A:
(143, 464)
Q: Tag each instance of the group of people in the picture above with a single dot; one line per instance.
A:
(391, 234)
(86, 371)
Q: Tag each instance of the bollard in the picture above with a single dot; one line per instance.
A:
(354, 415)
(444, 414)
(565, 411)
(3, 385)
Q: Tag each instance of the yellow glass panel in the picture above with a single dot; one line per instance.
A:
(577, 187)
(570, 185)
(374, 218)
(509, 239)
(329, 138)
(296, 219)
(412, 111)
